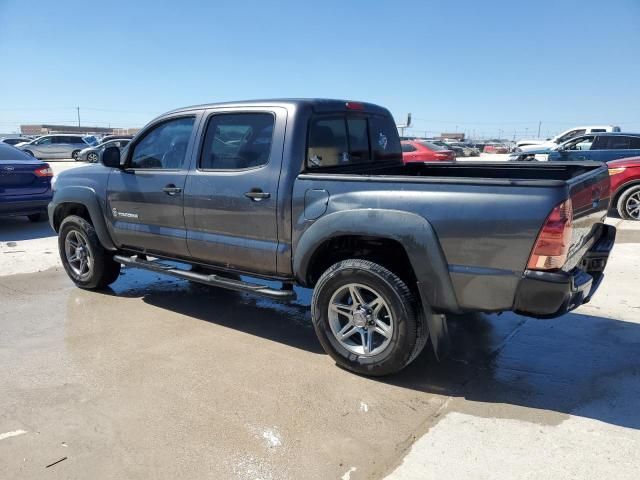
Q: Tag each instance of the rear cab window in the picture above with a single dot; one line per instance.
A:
(347, 139)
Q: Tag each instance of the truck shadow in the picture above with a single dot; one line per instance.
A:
(15, 229)
(286, 323)
(578, 364)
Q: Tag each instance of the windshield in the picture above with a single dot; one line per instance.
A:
(433, 146)
(90, 139)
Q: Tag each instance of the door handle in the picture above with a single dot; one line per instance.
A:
(256, 195)
(171, 189)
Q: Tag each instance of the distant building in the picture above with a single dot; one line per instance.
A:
(453, 136)
(125, 131)
(45, 129)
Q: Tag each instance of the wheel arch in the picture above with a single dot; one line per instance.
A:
(620, 191)
(81, 201)
(411, 236)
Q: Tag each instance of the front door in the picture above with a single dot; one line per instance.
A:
(145, 199)
(231, 194)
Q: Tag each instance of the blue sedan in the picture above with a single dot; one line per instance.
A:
(25, 184)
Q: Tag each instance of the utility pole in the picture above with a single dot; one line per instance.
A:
(539, 125)
(78, 110)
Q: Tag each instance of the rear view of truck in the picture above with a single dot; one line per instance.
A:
(567, 261)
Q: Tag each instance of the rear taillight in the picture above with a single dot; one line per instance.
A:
(553, 242)
(45, 171)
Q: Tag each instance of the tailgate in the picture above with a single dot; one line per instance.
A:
(590, 196)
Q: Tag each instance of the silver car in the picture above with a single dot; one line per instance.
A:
(92, 154)
(58, 146)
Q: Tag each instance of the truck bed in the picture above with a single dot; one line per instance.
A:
(486, 215)
(512, 173)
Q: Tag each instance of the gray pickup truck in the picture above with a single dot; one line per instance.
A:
(260, 196)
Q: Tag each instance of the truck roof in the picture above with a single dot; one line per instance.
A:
(317, 104)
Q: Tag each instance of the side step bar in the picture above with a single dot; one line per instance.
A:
(207, 279)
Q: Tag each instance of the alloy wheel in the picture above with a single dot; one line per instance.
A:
(633, 206)
(78, 255)
(360, 319)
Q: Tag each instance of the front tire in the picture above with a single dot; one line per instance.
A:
(366, 318)
(92, 157)
(75, 155)
(84, 259)
(629, 204)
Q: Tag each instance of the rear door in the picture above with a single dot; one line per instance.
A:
(145, 202)
(621, 146)
(232, 190)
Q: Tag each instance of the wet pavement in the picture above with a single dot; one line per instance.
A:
(160, 378)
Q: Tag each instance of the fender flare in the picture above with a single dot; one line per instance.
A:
(88, 198)
(420, 242)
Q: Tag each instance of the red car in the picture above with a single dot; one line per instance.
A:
(625, 187)
(422, 151)
(495, 148)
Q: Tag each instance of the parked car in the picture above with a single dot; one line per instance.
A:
(92, 154)
(423, 151)
(625, 187)
(441, 143)
(106, 138)
(14, 140)
(601, 147)
(526, 145)
(25, 184)
(496, 148)
(315, 193)
(58, 146)
(470, 150)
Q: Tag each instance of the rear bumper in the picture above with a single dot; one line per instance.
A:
(38, 204)
(551, 294)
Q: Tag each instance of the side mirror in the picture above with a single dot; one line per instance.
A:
(111, 157)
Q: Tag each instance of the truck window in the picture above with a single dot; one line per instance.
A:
(164, 146)
(385, 143)
(352, 139)
(327, 142)
(235, 141)
(571, 134)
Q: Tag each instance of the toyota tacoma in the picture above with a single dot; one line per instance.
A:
(260, 196)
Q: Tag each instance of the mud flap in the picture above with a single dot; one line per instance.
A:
(438, 330)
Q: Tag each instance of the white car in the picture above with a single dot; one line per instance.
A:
(530, 145)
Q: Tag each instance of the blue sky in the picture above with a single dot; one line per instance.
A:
(482, 66)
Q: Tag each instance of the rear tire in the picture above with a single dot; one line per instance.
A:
(629, 203)
(83, 257)
(345, 319)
